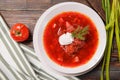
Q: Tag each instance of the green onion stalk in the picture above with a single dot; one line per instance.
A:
(106, 8)
(112, 12)
(117, 26)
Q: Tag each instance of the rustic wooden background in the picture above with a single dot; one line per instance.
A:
(28, 12)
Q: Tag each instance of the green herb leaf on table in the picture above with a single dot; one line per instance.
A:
(80, 33)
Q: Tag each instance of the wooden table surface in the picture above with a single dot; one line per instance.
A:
(28, 12)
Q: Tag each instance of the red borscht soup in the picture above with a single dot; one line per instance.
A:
(84, 39)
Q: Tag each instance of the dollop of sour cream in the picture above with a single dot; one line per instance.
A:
(66, 39)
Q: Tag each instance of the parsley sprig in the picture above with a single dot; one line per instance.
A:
(80, 33)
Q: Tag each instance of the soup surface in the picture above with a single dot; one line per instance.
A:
(84, 34)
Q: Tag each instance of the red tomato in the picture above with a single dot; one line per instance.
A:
(19, 32)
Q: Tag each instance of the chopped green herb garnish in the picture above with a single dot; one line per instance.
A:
(80, 33)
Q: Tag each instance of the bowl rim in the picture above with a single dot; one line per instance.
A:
(55, 67)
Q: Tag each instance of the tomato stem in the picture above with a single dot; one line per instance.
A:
(18, 33)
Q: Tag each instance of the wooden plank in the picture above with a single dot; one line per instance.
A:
(24, 4)
(38, 4)
(114, 75)
(114, 66)
(27, 17)
(79, 1)
(97, 6)
(43, 5)
(12, 4)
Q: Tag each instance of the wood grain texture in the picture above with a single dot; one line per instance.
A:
(12, 4)
(38, 4)
(29, 11)
(96, 5)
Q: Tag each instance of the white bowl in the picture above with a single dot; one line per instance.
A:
(38, 38)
